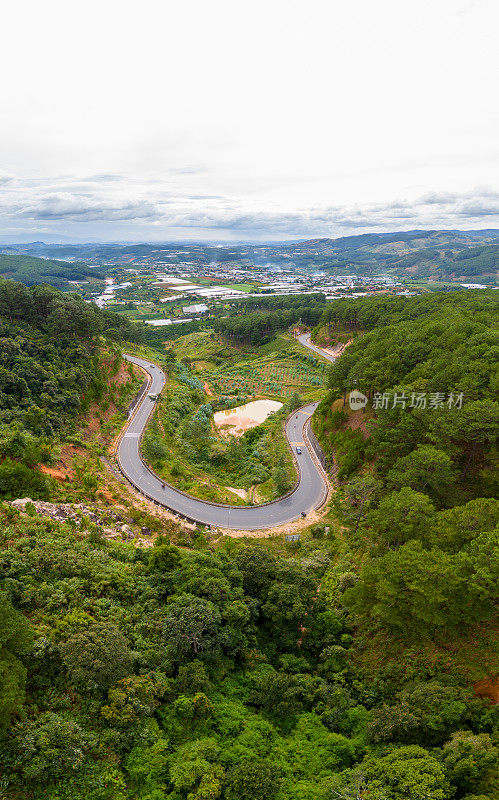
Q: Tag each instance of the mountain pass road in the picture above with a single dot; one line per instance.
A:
(309, 493)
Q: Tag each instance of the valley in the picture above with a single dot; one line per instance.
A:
(167, 648)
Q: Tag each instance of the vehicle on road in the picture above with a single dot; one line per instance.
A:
(298, 450)
(308, 494)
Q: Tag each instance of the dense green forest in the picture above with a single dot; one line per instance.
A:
(382, 310)
(255, 321)
(470, 263)
(187, 673)
(338, 667)
(31, 270)
(49, 373)
(419, 468)
(264, 302)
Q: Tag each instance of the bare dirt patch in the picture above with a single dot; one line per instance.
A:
(357, 422)
(337, 349)
(243, 493)
(62, 470)
(488, 689)
(60, 475)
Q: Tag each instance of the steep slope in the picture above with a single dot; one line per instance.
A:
(50, 372)
(31, 270)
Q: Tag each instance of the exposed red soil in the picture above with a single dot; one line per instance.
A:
(488, 688)
(60, 475)
(62, 469)
(105, 495)
(69, 451)
(357, 420)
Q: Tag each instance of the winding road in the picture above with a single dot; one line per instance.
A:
(305, 340)
(308, 495)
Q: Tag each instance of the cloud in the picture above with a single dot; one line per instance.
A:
(192, 170)
(478, 208)
(5, 177)
(104, 177)
(437, 210)
(66, 206)
(128, 206)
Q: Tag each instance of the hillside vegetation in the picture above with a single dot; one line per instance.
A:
(49, 374)
(31, 270)
(442, 255)
(205, 375)
(338, 667)
(418, 471)
(447, 255)
(187, 674)
(257, 320)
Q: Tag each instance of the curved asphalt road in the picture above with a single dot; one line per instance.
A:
(307, 496)
(305, 340)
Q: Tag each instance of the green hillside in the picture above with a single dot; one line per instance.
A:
(31, 271)
(446, 255)
(49, 374)
(450, 255)
(191, 667)
(418, 468)
(475, 262)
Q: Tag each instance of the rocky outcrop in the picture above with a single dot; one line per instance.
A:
(80, 515)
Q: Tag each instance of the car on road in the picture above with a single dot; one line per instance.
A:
(285, 510)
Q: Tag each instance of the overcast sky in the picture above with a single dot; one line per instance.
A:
(274, 119)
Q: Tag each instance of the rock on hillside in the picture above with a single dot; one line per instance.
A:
(112, 524)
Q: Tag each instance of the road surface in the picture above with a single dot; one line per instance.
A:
(305, 340)
(308, 495)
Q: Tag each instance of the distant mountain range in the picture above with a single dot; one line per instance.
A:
(448, 255)
(443, 255)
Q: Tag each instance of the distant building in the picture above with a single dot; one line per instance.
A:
(161, 322)
(196, 309)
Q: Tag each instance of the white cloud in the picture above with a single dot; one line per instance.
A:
(5, 178)
(225, 116)
(64, 206)
(161, 213)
